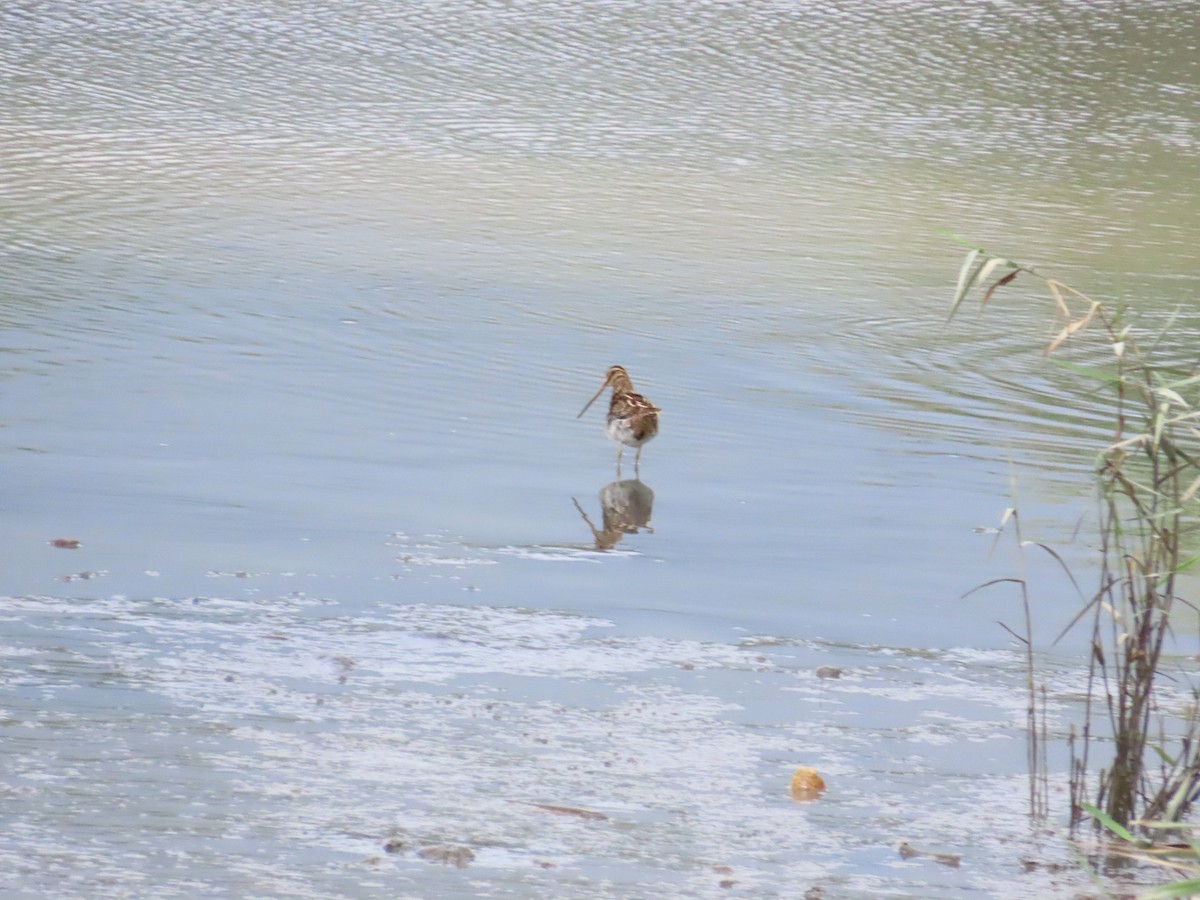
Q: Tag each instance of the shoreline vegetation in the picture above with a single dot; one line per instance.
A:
(1135, 757)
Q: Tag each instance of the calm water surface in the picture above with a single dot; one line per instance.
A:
(299, 305)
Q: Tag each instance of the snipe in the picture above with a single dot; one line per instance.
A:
(632, 419)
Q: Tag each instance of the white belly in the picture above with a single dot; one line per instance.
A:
(619, 431)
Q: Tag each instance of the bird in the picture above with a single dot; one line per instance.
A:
(632, 419)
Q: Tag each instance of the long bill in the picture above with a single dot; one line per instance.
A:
(593, 400)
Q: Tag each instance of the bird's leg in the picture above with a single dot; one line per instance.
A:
(620, 450)
(636, 463)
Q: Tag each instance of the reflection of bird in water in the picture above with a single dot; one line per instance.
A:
(626, 507)
(632, 419)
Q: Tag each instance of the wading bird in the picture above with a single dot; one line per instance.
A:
(632, 419)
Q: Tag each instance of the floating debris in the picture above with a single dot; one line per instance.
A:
(908, 851)
(571, 811)
(806, 784)
(66, 543)
(459, 857)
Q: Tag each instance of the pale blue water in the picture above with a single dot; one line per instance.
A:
(299, 306)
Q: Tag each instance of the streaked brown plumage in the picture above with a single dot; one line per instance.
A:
(632, 419)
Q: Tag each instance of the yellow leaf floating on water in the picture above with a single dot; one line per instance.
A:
(807, 784)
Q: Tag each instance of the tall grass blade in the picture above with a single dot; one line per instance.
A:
(1088, 371)
(999, 284)
(988, 268)
(1111, 824)
(966, 279)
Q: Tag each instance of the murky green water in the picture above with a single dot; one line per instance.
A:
(298, 307)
